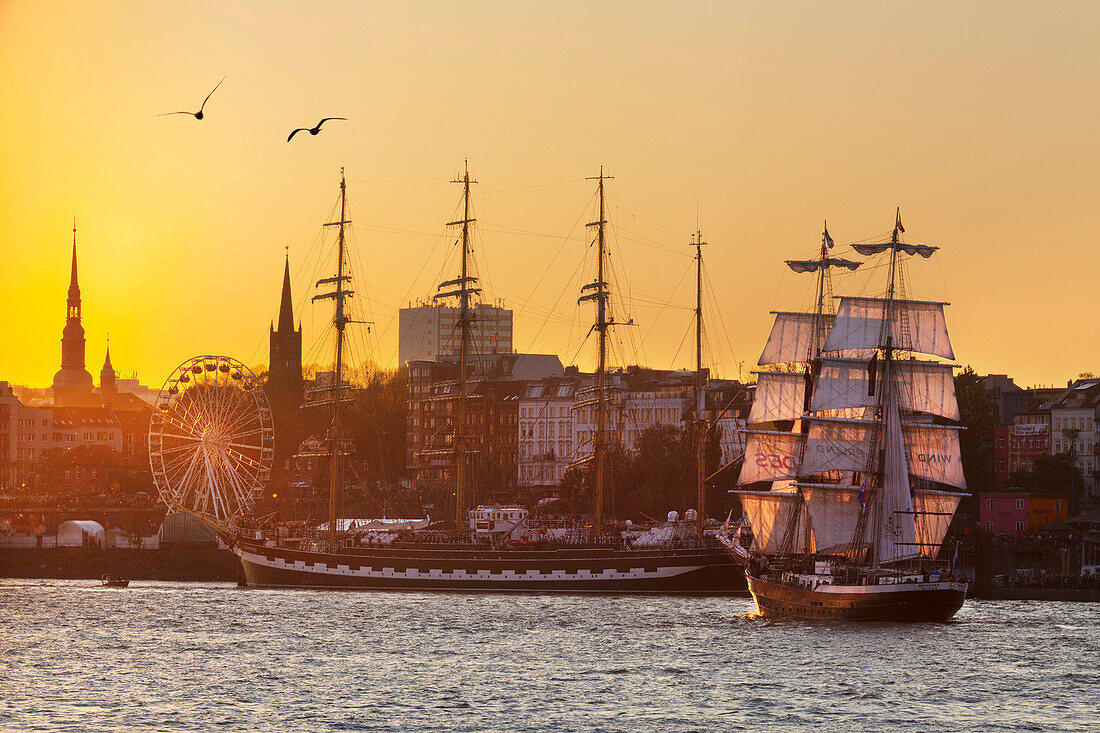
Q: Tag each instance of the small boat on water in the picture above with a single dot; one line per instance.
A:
(114, 581)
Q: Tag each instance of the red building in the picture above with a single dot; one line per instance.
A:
(1029, 439)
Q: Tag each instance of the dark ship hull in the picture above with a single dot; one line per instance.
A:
(569, 569)
(932, 601)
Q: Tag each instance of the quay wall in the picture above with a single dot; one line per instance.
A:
(184, 562)
(1040, 594)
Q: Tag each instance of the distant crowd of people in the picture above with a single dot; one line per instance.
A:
(1037, 542)
(1053, 581)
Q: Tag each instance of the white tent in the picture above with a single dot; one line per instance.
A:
(76, 533)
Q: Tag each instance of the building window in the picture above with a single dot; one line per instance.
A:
(1019, 526)
(989, 526)
(989, 504)
(1019, 504)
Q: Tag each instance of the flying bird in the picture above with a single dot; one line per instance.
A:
(313, 130)
(197, 115)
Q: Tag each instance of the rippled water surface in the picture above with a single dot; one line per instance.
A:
(179, 656)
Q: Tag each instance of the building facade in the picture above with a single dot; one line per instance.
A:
(1073, 420)
(1018, 514)
(1029, 438)
(491, 425)
(547, 431)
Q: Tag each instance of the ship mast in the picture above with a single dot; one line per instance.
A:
(599, 293)
(887, 392)
(464, 291)
(340, 321)
(700, 420)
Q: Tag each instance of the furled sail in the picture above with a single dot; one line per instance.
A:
(834, 444)
(924, 250)
(834, 513)
(779, 396)
(921, 386)
(771, 514)
(916, 325)
(933, 453)
(815, 265)
(771, 456)
(792, 336)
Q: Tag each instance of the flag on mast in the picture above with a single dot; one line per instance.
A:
(897, 224)
(826, 239)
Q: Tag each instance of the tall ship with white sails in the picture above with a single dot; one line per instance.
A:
(491, 548)
(853, 425)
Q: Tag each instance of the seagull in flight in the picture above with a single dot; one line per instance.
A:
(197, 115)
(313, 130)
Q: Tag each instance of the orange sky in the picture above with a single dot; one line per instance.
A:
(765, 118)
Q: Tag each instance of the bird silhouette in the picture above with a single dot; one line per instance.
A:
(313, 130)
(197, 115)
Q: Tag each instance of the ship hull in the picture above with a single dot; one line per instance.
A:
(708, 571)
(908, 602)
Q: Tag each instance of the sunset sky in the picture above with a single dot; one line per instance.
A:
(756, 120)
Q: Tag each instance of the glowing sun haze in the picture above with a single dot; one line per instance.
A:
(765, 118)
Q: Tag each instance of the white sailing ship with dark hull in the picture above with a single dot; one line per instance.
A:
(852, 425)
(483, 554)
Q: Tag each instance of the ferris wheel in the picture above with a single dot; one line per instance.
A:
(211, 438)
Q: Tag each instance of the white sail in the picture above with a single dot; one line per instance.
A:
(916, 325)
(834, 512)
(779, 396)
(896, 536)
(771, 514)
(791, 338)
(834, 444)
(770, 456)
(922, 386)
(933, 453)
(933, 512)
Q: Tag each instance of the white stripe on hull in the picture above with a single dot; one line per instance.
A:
(583, 575)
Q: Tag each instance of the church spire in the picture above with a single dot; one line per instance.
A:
(72, 385)
(107, 373)
(74, 286)
(286, 305)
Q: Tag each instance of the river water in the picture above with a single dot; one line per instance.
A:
(183, 656)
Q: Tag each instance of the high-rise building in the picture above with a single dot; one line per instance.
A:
(428, 331)
(72, 385)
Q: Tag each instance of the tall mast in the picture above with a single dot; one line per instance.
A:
(700, 420)
(815, 352)
(340, 321)
(887, 392)
(465, 289)
(817, 340)
(599, 293)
